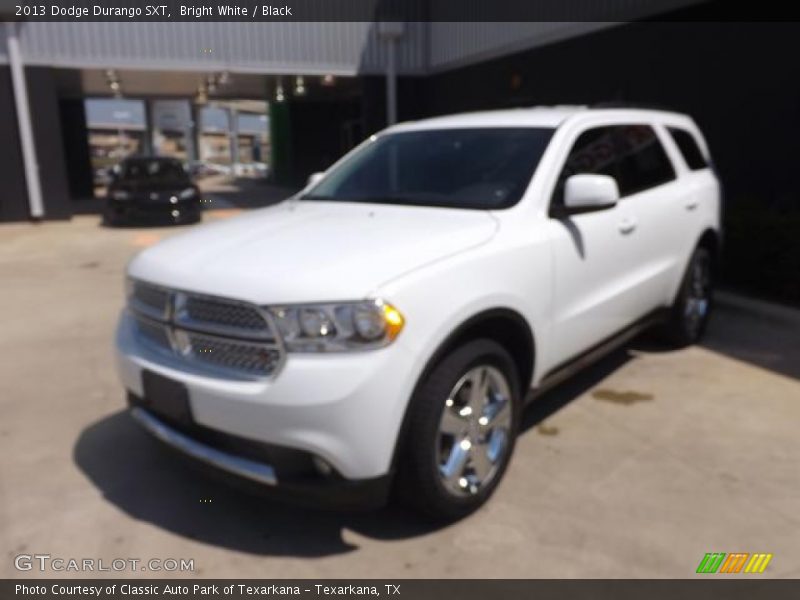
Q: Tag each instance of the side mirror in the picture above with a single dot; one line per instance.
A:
(587, 191)
(314, 178)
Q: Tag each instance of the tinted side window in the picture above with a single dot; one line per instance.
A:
(689, 149)
(642, 162)
(593, 152)
(631, 154)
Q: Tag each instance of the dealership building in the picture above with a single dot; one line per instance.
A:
(325, 86)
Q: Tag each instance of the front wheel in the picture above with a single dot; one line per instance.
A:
(461, 431)
(692, 307)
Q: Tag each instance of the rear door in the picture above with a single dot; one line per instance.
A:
(651, 195)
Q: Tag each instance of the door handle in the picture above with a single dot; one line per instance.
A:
(627, 225)
(692, 204)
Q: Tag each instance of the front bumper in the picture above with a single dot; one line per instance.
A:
(231, 463)
(132, 211)
(303, 485)
(344, 408)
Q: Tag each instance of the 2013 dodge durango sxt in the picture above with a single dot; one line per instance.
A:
(381, 329)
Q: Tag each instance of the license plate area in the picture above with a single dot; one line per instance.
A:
(166, 397)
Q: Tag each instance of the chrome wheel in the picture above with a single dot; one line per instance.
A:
(698, 295)
(474, 430)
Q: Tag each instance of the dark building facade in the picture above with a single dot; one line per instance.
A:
(735, 79)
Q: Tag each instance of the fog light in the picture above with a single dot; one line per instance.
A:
(322, 467)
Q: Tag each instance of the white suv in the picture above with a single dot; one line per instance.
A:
(382, 327)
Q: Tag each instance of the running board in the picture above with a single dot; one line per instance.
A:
(568, 369)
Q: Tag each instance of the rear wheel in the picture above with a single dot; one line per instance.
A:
(692, 308)
(462, 429)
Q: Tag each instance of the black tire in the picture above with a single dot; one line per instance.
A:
(691, 310)
(419, 482)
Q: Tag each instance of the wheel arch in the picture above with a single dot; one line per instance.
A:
(710, 239)
(503, 325)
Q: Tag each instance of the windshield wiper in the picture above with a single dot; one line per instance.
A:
(364, 199)
(429, 201)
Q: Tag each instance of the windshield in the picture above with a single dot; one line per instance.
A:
(479, 168)
(153, 170)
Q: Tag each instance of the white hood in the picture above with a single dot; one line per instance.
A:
(310, 251)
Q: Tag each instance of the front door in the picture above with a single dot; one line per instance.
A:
(594, 290)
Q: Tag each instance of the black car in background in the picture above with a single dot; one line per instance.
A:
(152, 190)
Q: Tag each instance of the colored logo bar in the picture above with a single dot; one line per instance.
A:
(736, 562)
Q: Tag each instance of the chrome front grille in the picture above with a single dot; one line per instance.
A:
(149, 300)
(154, 332)
(221, 317)
(234, 354)
(218, 333)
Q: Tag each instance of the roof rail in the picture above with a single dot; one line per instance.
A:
(624, 104)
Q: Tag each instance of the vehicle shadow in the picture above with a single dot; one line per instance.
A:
(769, 341)
(550, 402)
(150, 483)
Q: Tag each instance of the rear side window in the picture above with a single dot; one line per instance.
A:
(690, 151)
(631, 154)
(643, 162)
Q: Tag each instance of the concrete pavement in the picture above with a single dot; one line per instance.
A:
(636, 468)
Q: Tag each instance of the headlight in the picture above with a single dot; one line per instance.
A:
(338, 327)
(187, 193)
(120, 195)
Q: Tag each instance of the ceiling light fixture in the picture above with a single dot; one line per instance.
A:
(112, 79)
(202, 95)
